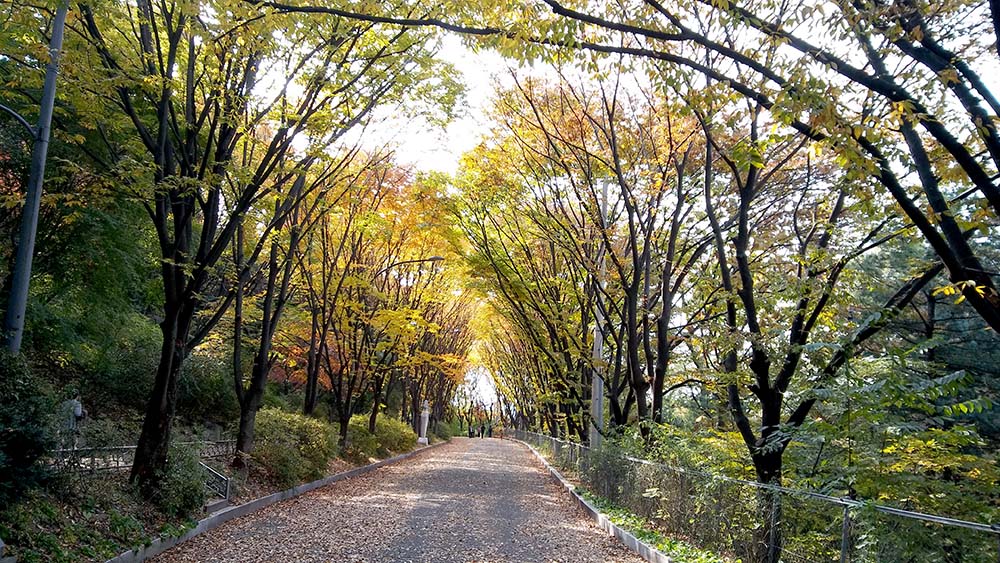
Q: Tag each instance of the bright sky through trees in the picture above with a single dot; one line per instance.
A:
(429, 147)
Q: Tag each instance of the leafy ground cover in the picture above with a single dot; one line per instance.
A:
(646, 531)
(89, 518)
(93, 517)
(641, 527)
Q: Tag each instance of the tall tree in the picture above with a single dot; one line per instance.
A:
(297, 210)
(817, 85)
(191, 88)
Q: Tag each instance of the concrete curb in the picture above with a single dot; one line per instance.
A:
(212, 521)
(3, 559)
(641, 548)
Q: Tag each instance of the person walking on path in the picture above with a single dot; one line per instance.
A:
(72, 414)
(482, 430)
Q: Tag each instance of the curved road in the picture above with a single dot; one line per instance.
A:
(473, 500)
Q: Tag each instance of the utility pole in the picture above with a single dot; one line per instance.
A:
(18, 301)
(597, 382)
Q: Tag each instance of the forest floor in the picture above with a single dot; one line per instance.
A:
(482, 500)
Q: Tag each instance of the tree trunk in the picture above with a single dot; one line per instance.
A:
(404, 406)
(312, 367)
(245, 435)
(768, 539)
(249, 405)
(343, 421)
(634, 366)
(415, 407)
(376, 402)
(929, 324)
(662, 357)
(250, 399)
(150, 460)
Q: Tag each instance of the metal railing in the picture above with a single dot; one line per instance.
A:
(120, 458)
(215, 481)
(718, 513)
(117, 458)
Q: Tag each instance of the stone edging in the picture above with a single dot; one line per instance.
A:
(212, 521)
(641, 548)
(5, 559)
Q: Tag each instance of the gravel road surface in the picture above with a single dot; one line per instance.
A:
(472, 500)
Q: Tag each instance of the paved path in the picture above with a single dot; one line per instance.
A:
(473, 500)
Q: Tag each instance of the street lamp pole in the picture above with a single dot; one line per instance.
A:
(597, 354)
(18, 300)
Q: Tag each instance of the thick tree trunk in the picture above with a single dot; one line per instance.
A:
(768, 538)
(404, 406)
(249, 405)
(634, 366)
(252, 397)
(245, 435)
(150, 460)
(662, 359)
(415, 407)
(343, 422)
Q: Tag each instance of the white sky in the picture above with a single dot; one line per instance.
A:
(481, 384)
(431, 148)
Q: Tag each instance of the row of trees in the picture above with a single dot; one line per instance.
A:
(791, 187)
(765, 173)
(731, 264)
(762, 212)
(251, 217)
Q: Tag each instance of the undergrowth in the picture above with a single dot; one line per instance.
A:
(91, 518)
(644, 530)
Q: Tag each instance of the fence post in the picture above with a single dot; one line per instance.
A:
(720, 517)
(845, 536)
(773, 548)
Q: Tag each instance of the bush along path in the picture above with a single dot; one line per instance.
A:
(469, 500)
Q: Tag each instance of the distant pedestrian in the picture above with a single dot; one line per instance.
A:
(482, 430)
(472, 432)
(72, 414)
(489, 431)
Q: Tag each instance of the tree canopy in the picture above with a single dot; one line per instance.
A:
(764, 232)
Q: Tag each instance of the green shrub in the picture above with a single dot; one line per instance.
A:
(445, 430)
(394, 436)
(281, 459)
(292, 447)
(205, 389)
(391, 437)
(274, 398)
(361, 445)
(101, 516)
(25, 428)
(106, 432)
(122, 375)
(182, 487)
